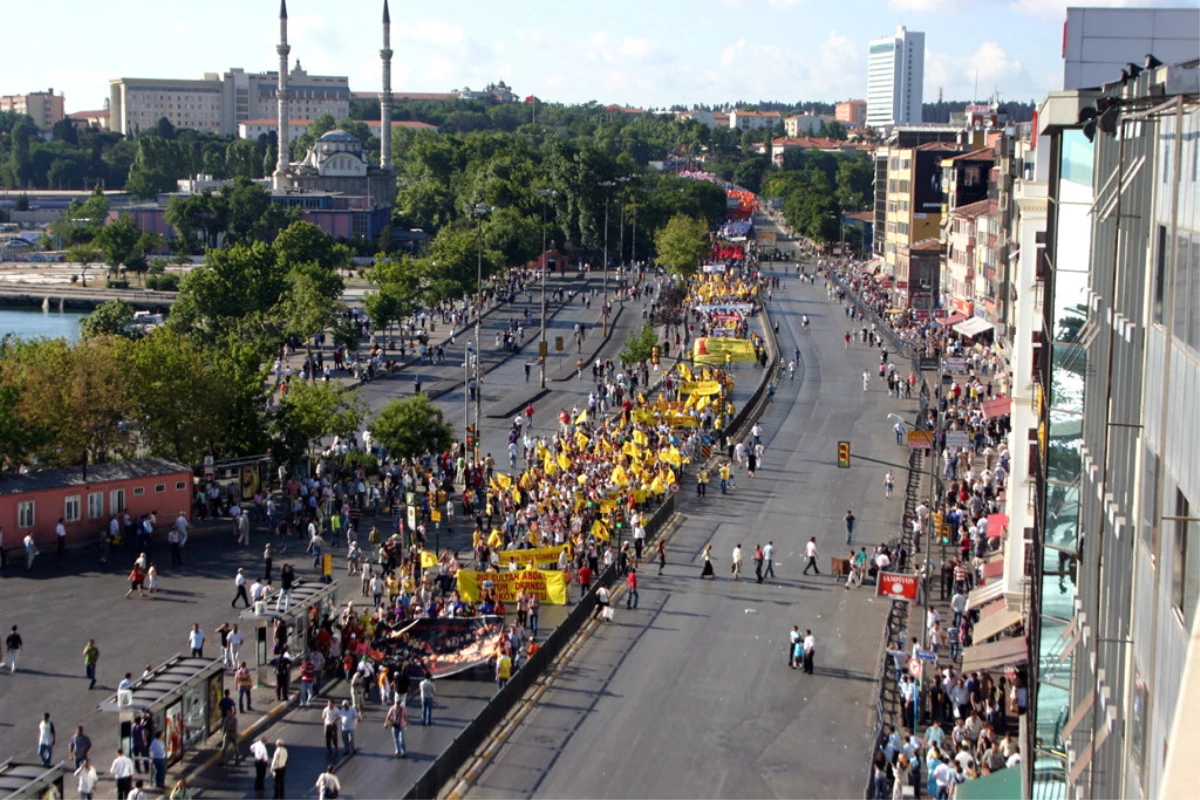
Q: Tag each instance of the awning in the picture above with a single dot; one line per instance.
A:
(994, 607)
(997, 524)
(983, 594)
(953, 319)
(1004, 653)
(1003, 784)
(1077, 715)
(997, 408)
(973, 326)
(996, 624)
(993, 569)
(1085, 757)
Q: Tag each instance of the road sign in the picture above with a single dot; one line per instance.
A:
(705, 450)
(542, 347)
(558, 343)
(927, 655)
(914, 667)
(958, 439)
(896, 586)
(920, 440)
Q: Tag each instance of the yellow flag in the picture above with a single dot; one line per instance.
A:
(671, 456)
(641, 438)
(599, 531)
(428, 559)
(516, 495)
(550, 467)
(582, 418)
(504, 481)
(581, 441)
(564, 461)
(657, 485)
(619, 477)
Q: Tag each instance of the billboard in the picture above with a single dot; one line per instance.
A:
(927, 180)
(896, 586)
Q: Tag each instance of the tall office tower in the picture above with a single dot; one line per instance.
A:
(895, 76)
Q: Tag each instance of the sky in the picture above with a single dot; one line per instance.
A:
(643, 53)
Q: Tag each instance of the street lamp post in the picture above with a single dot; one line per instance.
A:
(545, 194)
(480, 210)
(604, 304)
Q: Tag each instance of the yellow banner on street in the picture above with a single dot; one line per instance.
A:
(549, 586)
(712, 350)
(701, 388)
(531, 558)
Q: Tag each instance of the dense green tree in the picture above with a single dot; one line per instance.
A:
(234, 288)
(311, 410)
(410, 427)
(305, 243)
(640, 346)
(119, 241)
(113, 318)
(682, 244)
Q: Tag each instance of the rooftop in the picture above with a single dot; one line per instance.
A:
(986, 154)
(939, 146)
(976, 209)
(41, 480)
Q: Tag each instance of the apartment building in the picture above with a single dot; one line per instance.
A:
(1115, 483)
(914, 195)
(220, 103)
(895, 79)
(852, 113)
(740, 120)
(46, 108)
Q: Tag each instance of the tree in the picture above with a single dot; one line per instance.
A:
(410, 427)
(640, 346)
(682, 244)
(113, 318)
(305, 310)
(310, 410)
(305, 243)
(164, 128)
(85, 255)
(119, 241)
(234, 290)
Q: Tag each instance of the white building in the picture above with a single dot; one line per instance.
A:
(1099, 42)
(802, 124)
(895, 79)
(753, 120)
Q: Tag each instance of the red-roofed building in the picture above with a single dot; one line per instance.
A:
(625, 111)
(918, 271)
(968, 250)
(740, 120)
(780, 146)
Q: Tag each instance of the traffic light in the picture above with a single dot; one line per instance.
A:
(843, 455)
(654, 356)
(470, 437)
(620, 517)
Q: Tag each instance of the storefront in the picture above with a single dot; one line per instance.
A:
(312, 602)
(30, 781)
(181, 697)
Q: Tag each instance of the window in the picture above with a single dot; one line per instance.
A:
(159, 488)
(25, 515)
(116, 501)
(180, 486)
(95, 505)
(138, 491)
(971, 177)
(1160, 273)
(1185, 575)
(71, 509)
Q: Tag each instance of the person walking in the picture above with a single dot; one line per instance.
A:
(86, 773)
(45, 743)
(243, 681)
(810, 553)
(661, 547)
(348, 717)
(240, 583)
(91, 654)
(329, 720)
(758, 562)
(262, 760)
(769, 559)
(735, 562)
(427, 692)
(795, 647)
(810, 648)
(122, 772)
(631, 589)
(13, 644)
(279, 761)
(196, 640)
(889, 484)
(397, 721)
(158, 760)
(79, 747)
(328, 785)
(849, 518)
(707, 557)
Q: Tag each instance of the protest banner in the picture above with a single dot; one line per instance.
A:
(549, 586)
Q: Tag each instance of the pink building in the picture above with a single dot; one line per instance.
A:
(33, 502)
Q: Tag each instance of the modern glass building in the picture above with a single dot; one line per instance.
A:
(895, 79)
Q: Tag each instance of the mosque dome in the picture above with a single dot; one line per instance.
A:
(339, 137)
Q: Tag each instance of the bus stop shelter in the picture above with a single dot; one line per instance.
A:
(32, 781)
(312, 602)
(181, 697)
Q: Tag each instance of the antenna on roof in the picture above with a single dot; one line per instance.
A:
(975, 92)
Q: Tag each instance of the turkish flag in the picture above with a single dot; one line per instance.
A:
(530, 99)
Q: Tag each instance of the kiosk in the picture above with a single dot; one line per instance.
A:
(311, 603)
(31, 781)
(181, 697)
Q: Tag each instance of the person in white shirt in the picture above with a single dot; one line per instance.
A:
(349, 717)
(262, 760)
(87, 780)
(769, 560)
(122, 772)
(233, 643)
(328, 785)
(810, 649)
(279, 769)
(810, 553)
(196, 640)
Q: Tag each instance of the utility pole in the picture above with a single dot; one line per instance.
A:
(604, 304)
(543, 351)
(480, 210)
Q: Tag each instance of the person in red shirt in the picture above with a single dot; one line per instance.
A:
(631, 596)
(308, 680)
(585, 579)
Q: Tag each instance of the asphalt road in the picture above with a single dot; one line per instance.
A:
(691, 695)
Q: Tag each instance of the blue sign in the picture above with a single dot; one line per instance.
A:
(927, 655)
